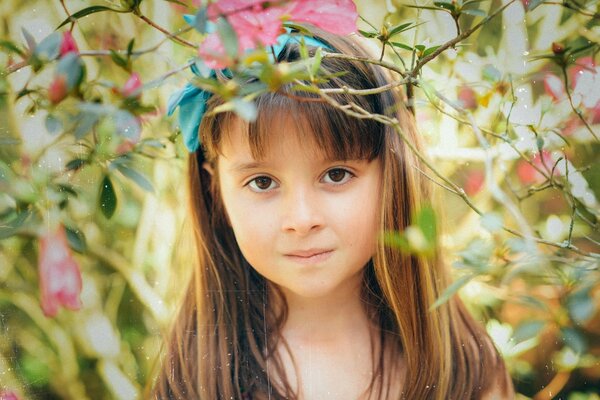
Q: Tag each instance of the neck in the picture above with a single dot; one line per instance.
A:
(326, 319)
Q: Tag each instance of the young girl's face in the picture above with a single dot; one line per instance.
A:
(307, 223)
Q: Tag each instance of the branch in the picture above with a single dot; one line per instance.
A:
(457, 39)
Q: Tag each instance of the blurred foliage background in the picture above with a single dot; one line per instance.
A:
(510, 112)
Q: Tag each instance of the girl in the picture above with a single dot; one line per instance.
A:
(295, 295)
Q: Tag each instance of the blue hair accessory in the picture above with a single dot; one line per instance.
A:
(191, 100)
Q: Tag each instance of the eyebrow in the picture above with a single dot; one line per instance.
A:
(245, 166)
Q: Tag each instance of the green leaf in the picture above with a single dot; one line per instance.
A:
(245, 109)
(533, 4)
(71, 66)
(75, 164)
(53, 124)
(108, 198)
(85, 123)
(491, 73)
(451, 290)
(474, 11)
(49, 47)
(10, 228)
(136, 177)
(581, 306)
(399, 28)
(228, 37)
(445, 5)
(201, 20)
(130, 47)
(574, 339)
(127, 124)
(119, 59)
(430, 50)
(402, 46)
(528, 330)
(368, 34)
(76, 239)
(11, 47)
(396, 240)
(85, 12)
(427, 222)
(29, 39)
(317, 61)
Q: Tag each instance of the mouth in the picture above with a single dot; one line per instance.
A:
(310, 256)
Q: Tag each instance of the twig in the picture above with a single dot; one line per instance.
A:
(575, 110)
(451, 43)
(166, 32)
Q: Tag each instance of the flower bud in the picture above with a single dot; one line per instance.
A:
(58, 89)
(558, 48)
(68, 44)
(132, 86)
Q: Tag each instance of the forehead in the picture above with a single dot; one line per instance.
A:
(285, 136)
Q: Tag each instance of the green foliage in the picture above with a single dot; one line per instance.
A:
(517, 160)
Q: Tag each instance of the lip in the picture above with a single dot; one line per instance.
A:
(311, 256)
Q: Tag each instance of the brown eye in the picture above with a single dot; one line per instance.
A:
(337, 175)
(261, 184)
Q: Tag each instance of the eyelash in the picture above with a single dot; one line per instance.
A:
(347, 176)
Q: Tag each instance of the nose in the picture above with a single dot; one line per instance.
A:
(302, 212)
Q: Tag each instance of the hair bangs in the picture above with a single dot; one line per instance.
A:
(337, 135)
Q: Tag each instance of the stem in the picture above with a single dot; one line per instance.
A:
(166, 32)
(451, 43)
(575, 110)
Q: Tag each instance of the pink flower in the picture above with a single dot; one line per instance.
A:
(259, 23)
(58, 89)
(467, 97)
(254, 25)
(68, 44)
(474, 182)
(528, 174)
(132, 86)
(335, 16)
(554, 86)
(60, 277)
(8, 395)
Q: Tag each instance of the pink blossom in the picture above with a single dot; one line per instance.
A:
(474, 182)
(259, 23)
(579, 67)
(554, 86)
(132, 86)
(335, 16)
(58, 89)
(60, 277)
(8, 395)
(467, 97)
(254, 25)
(68, 44)
(528, 174)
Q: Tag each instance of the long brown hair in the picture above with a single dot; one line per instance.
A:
(222, 344)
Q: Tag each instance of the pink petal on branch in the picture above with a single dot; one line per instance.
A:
(132, 86)
(68, 44)
(579, 67)
(467, 97)
(335, 16)
(258, 27)
(59, 274)
(213, 53)
(474, 182)
(58, 89)
(8, 395)
(554, 86)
